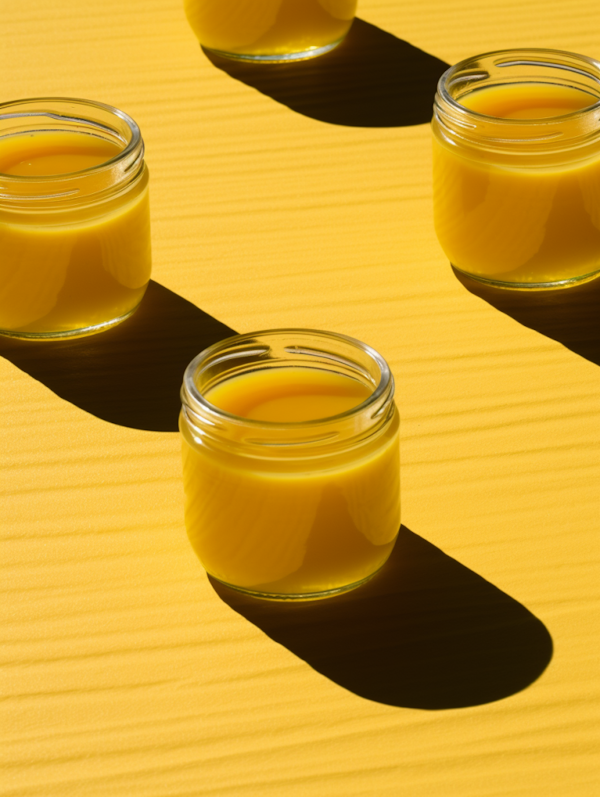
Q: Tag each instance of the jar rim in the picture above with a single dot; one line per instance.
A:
(134, 143)
(519, 57)
(191, 391)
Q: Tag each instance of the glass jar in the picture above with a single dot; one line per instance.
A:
(270, 30)
(516, 168)
(74, 218)
(291, 509)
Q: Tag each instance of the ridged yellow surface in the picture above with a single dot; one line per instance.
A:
(124, 672)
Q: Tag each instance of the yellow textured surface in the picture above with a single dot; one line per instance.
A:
(123, 671)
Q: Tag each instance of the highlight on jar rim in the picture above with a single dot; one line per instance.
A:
(290, 442)
(74, 217)
(516, 168)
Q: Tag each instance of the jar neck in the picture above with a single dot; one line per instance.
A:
(577, 132)
(95, 184)
(322, 437)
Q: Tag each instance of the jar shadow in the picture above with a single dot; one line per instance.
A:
(129, 375)
(425, 633)
(567, 315)
(372, 79)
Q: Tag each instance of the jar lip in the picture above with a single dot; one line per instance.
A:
(134, 143)
(518, 56)
(191, 391)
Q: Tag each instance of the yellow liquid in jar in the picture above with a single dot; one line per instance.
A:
(299, 527)
(518, 223)
(72, 268)
(269, 27)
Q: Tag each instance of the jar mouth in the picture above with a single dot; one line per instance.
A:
(574, 135)
(68, 115)
(18, 110)
(546, 67)
(256, 349)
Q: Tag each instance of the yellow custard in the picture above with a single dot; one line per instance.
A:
(526, 101)
(68, 266)
(292, 527)
(255, 28)
(519, 218)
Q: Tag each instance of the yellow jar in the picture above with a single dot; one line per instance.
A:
(74, 218)
(516, 168)
(290, 462)
(270, 30)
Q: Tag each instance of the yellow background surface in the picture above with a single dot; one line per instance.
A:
(124, 672)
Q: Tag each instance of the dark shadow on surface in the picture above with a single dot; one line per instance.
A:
(372, 79)
(570, 316)
(425, 633)
(131, 374)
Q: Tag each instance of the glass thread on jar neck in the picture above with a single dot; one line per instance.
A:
(294, 439)
(90, 185)
(574, 130)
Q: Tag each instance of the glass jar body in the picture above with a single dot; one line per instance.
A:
(76, 254)
(516, 200)
(291, 510)
(270, 30)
